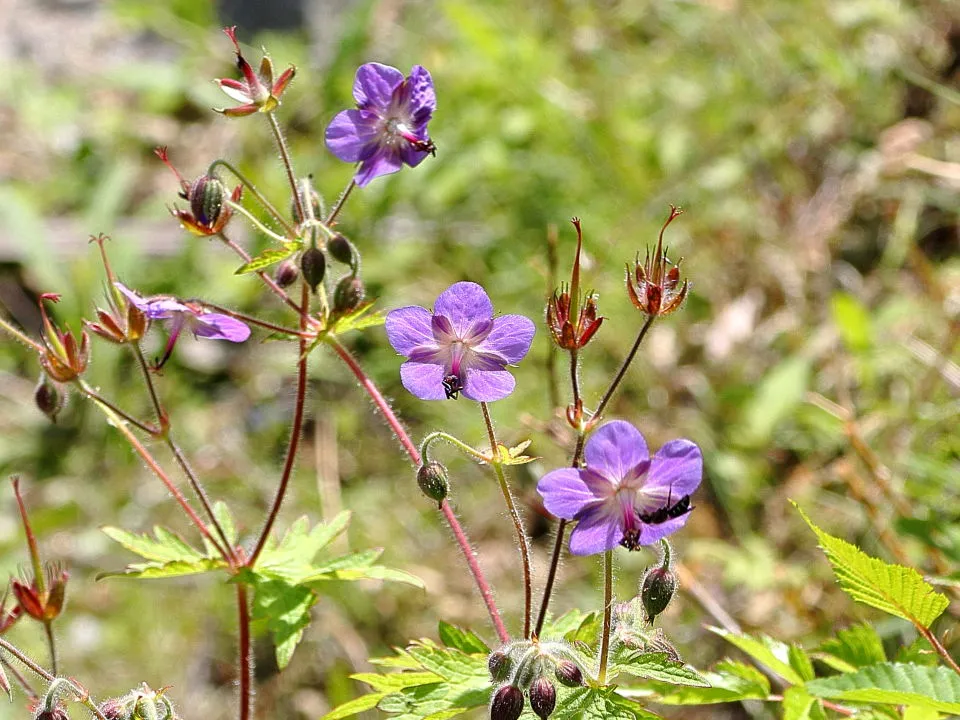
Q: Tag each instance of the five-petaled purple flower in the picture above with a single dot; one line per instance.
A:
(460, 346)
(623, 496)
(190, 316)
(389, 126)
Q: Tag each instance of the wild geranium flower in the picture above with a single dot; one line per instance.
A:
(623, 496)
(389, 126)
(190, 316)
(460, 346)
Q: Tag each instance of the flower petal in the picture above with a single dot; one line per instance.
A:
(510, 338)
(616, 449)
(215, 326)
(425, 380)
(649, 534)
(137, 301)
(419, 95)
(565, 493)
(463, 303)
(383, 162)
(353, 135)
(676, 470)
(488, 385)
(598, 530)
(374, 84)
(411, 156)
(409, 328)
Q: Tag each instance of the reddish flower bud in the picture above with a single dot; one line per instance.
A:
(63, 358)
(569, 674)
(286, 273)
(543, 697)
(348, 295)
(657, 290)
(657, 590)
(208, 213)
(49, 398)
(499, 664)
(507, 703)
(257, 91)
(313, 265)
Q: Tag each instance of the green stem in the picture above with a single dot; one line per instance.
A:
(20, 336)
(607, 612)
(341, 201)
(52, 644)
(34, 551)
(255, 222)
(456, 442)
(623, 367)
(287, 163)
(267, 205)
(142, 426)
(268, 281)
(515, 516)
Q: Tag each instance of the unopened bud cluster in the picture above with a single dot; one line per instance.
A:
(139, 704)
(531, 668)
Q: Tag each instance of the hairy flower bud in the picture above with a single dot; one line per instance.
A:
(286, 273)
(49, 398)
(434, 483)
(656, 591)
(342, 250)
(313, 265)
(499, 664)
(206, 197)
(348, 295)
(543, 697)
(507, 703)
(569, 674)
(309, 197)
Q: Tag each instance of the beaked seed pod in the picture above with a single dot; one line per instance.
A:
(656, 591)
(543, 697)
(286, 273)
(434, 483)
(348, 295)
(341, 249)
(499, 664)
(313, 265)
(507, 703)
(569, 674)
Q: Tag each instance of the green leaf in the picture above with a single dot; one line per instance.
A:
(798, 704)
(168, 553)
(268, 257)
(800, 661)
(292, 558)
(566, 623)
(449, 663)
(920, 713)
(354, 707)
(284, 609)
(729, 681)
(895, 589)
(223, 515)
(767, 651)
(464, 640)
(657, 666)
(396, 681)
(514, 455)
(587, 632)
(936, 688)
(852, 320)
(857, 646)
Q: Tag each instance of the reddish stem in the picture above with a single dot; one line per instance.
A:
(31, 540)
(269, 281)
(411, 449)
(246, 658)
(296, 431)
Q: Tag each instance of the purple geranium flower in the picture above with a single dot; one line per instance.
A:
(191, 316)
(622, 496)
(460, 346)
(389, 127)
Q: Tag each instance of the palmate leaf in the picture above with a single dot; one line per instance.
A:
(895, 589)
(269, 257)
(464, 640)
(935, 688)
(292, 558)
(283, 610)
(168, 554)
(657, 666)
(774, 654)
(729, 682)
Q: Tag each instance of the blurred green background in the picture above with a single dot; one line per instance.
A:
(815, 146)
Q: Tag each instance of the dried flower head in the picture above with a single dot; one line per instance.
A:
(209, 212)
(63, 358)
(655, 289)
(256, 92)
(572, 319)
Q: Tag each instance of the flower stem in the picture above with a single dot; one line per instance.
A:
(607, 610)
(238, 207)
(31, 541)
(251, 320)
(52, 644)
(296, 431)
(400, 432)
(93, 395)
(246, 657)
(341, 201)
(266, 204)
(515, 516)
(18, 676)
(456, 442)
(623, 368)
(287, 163)
(269, 281)
(20, 336)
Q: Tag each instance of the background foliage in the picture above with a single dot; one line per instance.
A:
(814, 145)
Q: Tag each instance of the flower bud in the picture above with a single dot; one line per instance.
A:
(286, 273)
(49, 398)
(499, 664)
(206, 196)
(569, 674)
(116, 709)
(656, 591)
(543, 697)
(348, 295)
(313, 265)
(433, 482)
(342, 249)
(308, 196)
(507, 703)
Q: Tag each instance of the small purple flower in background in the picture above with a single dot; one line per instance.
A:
(190, 316)
(622, 496)
(460, 346)
(389, 126)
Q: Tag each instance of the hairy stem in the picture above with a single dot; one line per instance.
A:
(515, 517)
(296, 430)
(268, 281)
(253, 220)
(52, 645)
(401, 434)
(251, 320)
(266, 204)
(341, 201)
(938, 646)
(287, 162)
(246, 656)
(615, 383)
(20, 336)
(607, 612)
(93, 395)
(456, 442)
